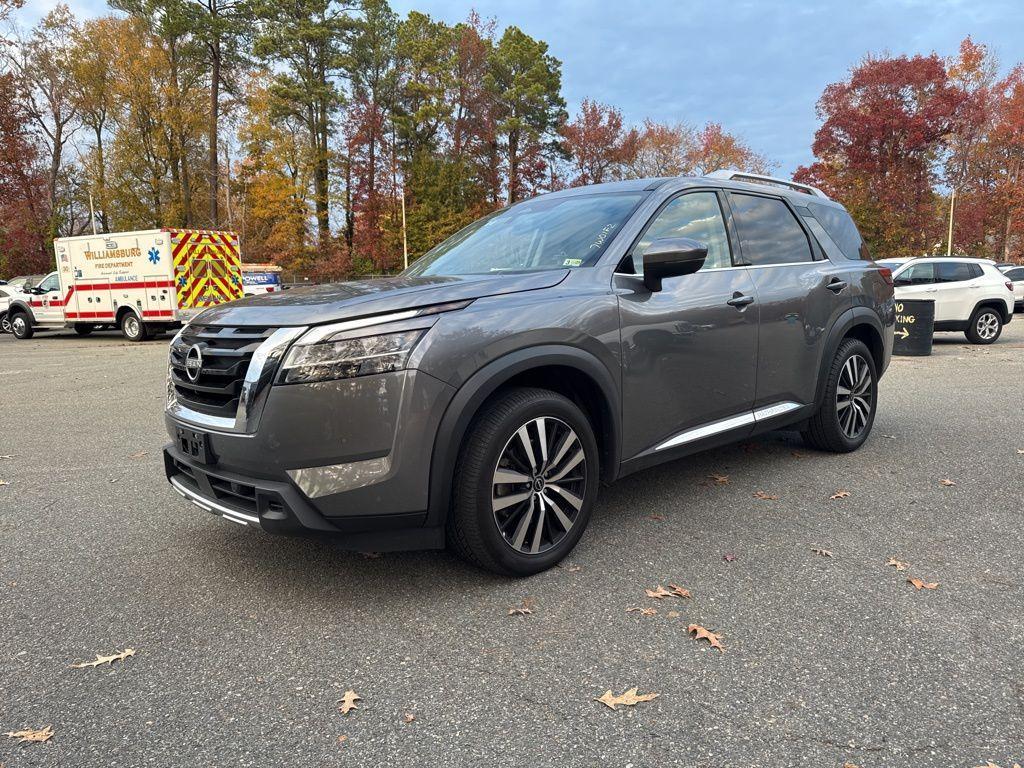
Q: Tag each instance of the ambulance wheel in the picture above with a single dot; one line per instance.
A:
(132, 328)
(21, 326)
(84, 329)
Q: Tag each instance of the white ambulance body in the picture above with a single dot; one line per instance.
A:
(141, 282)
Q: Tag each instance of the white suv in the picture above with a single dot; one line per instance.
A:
(971, 295)
(1016, 276)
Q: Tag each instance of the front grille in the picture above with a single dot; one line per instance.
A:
(227, 352)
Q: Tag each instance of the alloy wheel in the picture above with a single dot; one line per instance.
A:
(987, 325)
(854, 396)
(5, 324)
(539, 485)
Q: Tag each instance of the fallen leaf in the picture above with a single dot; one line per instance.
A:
(658, 593)
(138, 455)
(348, 702)
(629, 699)
(105, 659)
(947, 482)
(574, 568)
(673, 614)
(705, 634)
(822, 552)
(765, 496)
(850, 765)
(655, 517)
(797, 454)
(10, 456)
(42, 735)
(523, 609)
(643, 611)
(729, 557)
(409, 717)
(679, 591)
(4, 482)
(919, 584)
(889, 437)
(899, 565)
(839, 495)
(719, 479)
(1019, 450)
(342, 739)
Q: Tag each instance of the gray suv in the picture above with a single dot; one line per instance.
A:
(479, 399)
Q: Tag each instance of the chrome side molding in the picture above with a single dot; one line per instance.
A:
(732, 422)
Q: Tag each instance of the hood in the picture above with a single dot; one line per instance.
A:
(314, 305)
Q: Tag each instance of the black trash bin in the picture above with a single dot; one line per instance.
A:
(915, 326)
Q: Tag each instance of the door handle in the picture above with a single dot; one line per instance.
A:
(836, 285)
(739, 300)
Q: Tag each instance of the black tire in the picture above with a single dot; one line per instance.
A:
(829, 429)
(473, 523)
(84, 329)
(21, 326)
(132, 327)
(985, 326)
(5, 323)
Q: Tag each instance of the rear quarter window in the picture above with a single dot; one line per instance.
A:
(841, 229)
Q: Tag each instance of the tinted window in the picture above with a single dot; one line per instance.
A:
(50, 284)
(841, 228)
(769, 233)
(955, 272)
(4, 294)
(1015, 274)
(696, 215)
(543, 233)
(919, 274)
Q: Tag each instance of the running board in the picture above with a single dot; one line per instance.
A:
(725, 425)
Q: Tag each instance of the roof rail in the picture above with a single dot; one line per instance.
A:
(756, 178)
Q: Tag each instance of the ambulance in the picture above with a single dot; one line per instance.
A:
(143, 283)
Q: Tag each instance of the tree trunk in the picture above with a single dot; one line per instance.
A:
(101, 179)
(214, 116)
(513, 166)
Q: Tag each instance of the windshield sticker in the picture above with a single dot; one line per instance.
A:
(572, 262)
(602, 236)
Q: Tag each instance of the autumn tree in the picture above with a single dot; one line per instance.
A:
(305, 44)
(883, 129)
(712, 148)
(598, 143)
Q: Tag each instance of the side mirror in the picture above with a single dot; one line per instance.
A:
(672, 257)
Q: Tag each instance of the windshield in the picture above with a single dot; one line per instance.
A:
(539, 234)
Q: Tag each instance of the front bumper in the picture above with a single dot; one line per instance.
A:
(350, 457)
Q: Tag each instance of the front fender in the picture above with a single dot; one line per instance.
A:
(484, 383)
(22, 306)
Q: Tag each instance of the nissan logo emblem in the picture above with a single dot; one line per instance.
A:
(194, 363)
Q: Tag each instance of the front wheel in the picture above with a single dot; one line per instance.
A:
(985, 326)
(525, 483)
(132, 328)
(847, 412)
(21, 327)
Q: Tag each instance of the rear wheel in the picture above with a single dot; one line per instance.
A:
(21, 326)
(847, 412)
(5, 323)
(84, 329)
(525, 483)
(985, 326)
(132, 327)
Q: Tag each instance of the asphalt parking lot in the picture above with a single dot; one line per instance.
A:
(244, 644)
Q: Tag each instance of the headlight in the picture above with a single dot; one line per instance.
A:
(345, 359)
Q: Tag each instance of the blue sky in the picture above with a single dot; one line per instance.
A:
(755, 66)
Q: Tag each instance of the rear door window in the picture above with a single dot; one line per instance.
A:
(955, 272)
(769, 232)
